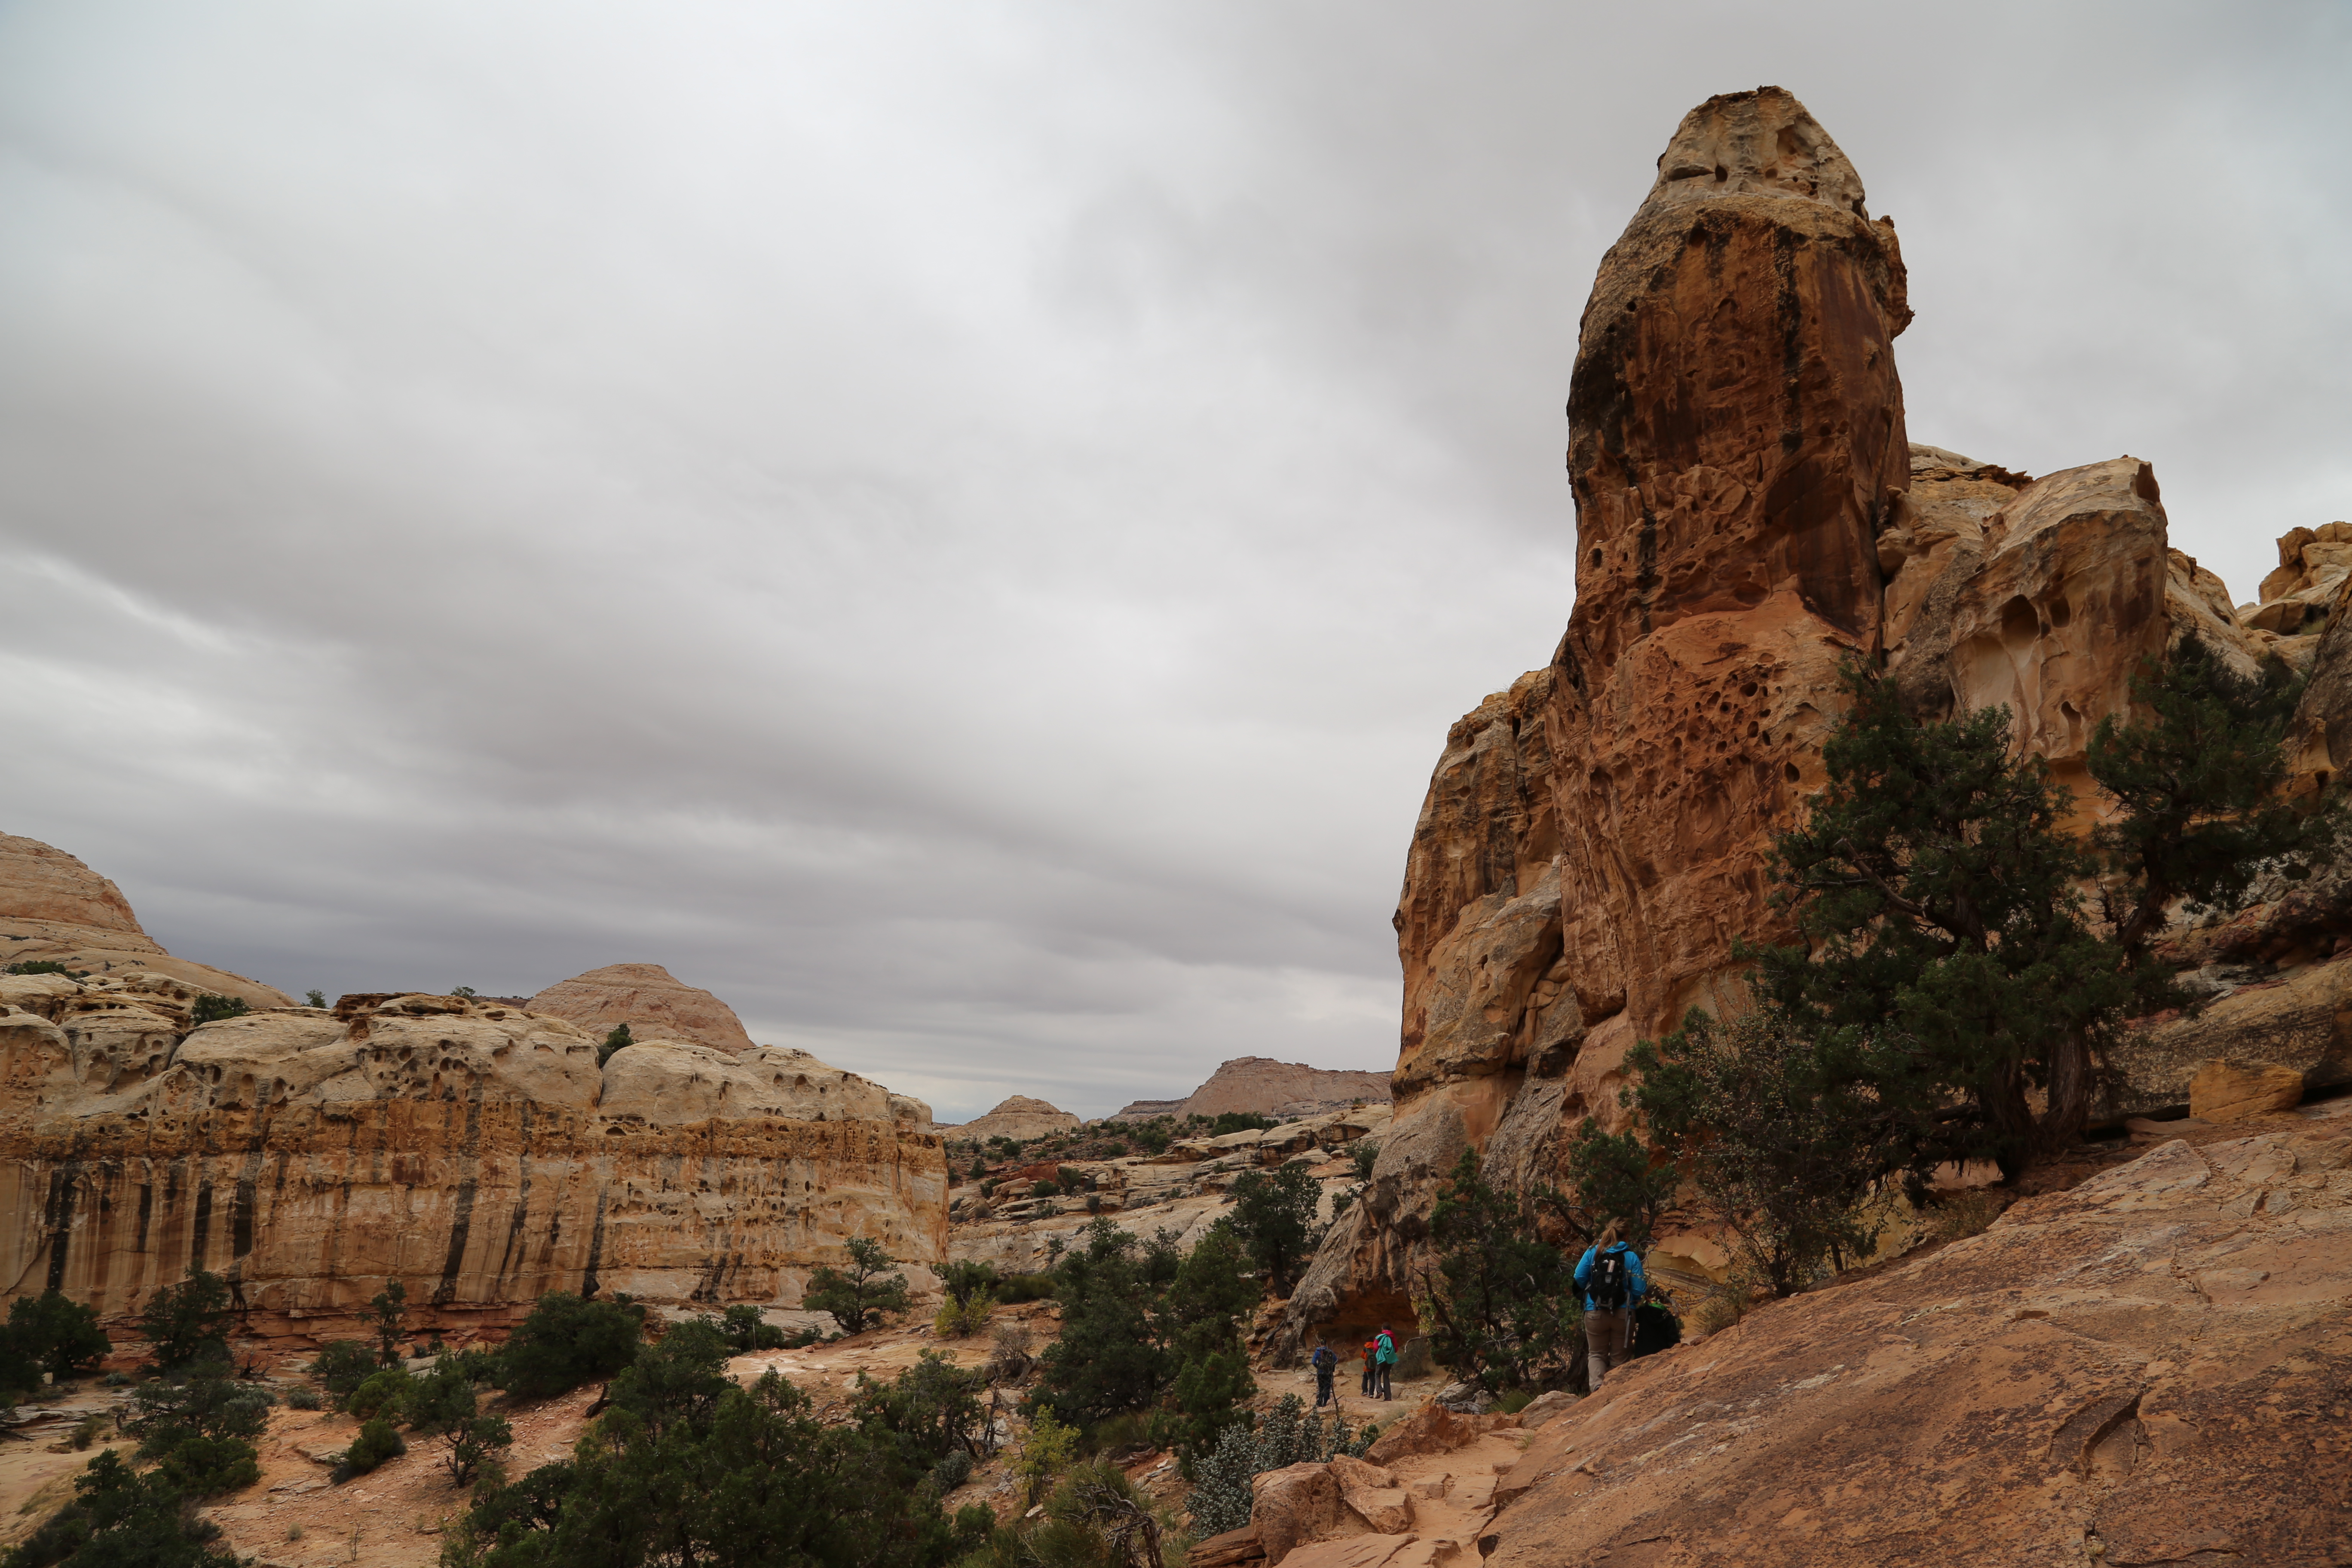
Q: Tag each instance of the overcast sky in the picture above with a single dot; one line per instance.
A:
(962, 528)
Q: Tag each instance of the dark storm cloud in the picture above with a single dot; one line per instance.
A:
(962, 528)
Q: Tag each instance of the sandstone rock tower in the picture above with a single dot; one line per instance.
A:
(1750, 514)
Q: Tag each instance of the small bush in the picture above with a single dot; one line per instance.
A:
(1240, 1121)
(744, 1329)
(341, 1365)
(1114, 1150)
(89, 1430)
(1041, 1188)
(376, 1443)
(188, 1322)
(620, 1039)
(1009, 1357)
(1046, 1452)
(202, 1467)
(384, 1393)
(1017, 1287)
(59, 1333)
(211, 1009)
(1363, 1153)
(950, 1472)
(316, 999)
(862, 1293)
(38, 966)
(1288, 1436)
(960, 1319)
(304, 1397)
(567, 1341)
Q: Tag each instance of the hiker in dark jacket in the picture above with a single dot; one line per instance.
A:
(1324, 1364)
(1610, 1275)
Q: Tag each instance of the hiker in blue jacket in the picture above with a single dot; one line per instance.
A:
(1610, 1275)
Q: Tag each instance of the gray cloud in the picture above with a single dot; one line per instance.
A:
(962, 528)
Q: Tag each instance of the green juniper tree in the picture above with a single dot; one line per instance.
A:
(860, 1292)
(2195, 772)
(385, 1310)
(1949, 950)
(620, 1039)
(1501, 1304)
(1274, 1219)
(1613, 1177)
(188, 1321)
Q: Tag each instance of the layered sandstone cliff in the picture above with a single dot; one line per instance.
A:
(475, 1151)
(1750, 515)
(53, 907)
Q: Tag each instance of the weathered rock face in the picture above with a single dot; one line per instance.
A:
(473, 1150)
(53, 907)
(1749, 517)
(1019, 1118)
(1260, 1086)
(654, 1004)
(2141, 1370)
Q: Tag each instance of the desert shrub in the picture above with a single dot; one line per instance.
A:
(167, 1411)
(1274, 1219)
(38, 966)
(1153, 1138)
(341, 1365)
(755, 1479)
(1096, 1518)
(961, 1319)
(377, 1442)
(1782, 1149)
(384, 1392)
(745, 1329)
(315, 998)
(928, 1411)
(1240, 1121)
(1288, 1435)
(620, 1039)
(950, 1472)
(211, 1009)
(1613, 1178)
(442, 1406)
(120, 1519)
(1041, 1188)
(302, 1396)
(465, 991)
(188, 1321)
(386, 1311)
(569, 1339)
(203, 1466)
(1502, 1302)
(862, 1292)
(1045, 1451)
(1016, 1287)
(1114, 1149)
(1363, 1154)
(89, 1430)
(1009, 1357)
(58, 1334)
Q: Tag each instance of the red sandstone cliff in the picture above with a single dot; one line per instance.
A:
(1749, 514)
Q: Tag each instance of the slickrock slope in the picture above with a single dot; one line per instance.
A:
(2150, 1368)
(1749, 515)
(654, 1004)
(1260, 1086)
(472, 1150)
(1019, 1118)
(53, 907)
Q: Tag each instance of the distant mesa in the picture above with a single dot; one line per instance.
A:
(653, 1003)
(1019, 1118)
(1260, 1086)
(53, 907)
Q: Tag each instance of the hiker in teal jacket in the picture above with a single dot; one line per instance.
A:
(1384, 1355)
(1610, 1276)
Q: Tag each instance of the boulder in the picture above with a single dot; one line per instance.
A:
(1354, 1552)
(1430, 1429)
(2230, 1091)
(649, 1000)
(1291, 1505)
(2299, 1022)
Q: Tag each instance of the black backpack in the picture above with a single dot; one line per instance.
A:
(1324, 1360)
(1606, 1288)
(1655, 1328)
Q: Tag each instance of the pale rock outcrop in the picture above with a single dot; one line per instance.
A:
(2231, 1091)
(667, 1083)
(654, 1004)
(53, 907)
(1019, 1118)
(2142, 1369)
(1260, 1086)
(2299, 1020)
